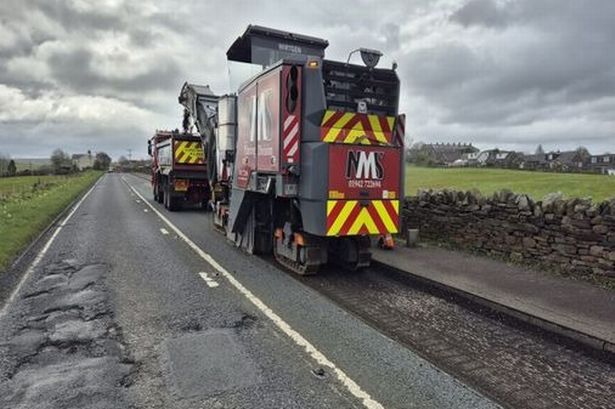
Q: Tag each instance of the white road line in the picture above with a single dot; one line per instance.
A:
(164, 231)
(295, 336)
(44, 250)
(208, 280)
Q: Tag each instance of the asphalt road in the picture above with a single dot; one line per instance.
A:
(125, 309)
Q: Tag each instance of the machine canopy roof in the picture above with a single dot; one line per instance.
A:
(265, 46)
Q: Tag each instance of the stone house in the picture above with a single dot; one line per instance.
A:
(83, 161)
(569, 161)
(472, 157)
(482, 158)
(604, 163)
(508, 159)
(498, 159)
(440, 154)
(534, 162)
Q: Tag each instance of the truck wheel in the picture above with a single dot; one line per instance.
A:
(160, 194)
(170, 202)
(165, 198)
(173, 205)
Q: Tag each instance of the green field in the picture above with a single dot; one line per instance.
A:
(29, 203)
(487, 181)
(20, 185)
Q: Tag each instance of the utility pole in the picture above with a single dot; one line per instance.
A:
(129, 154)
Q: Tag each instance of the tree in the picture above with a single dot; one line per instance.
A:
(123, 163)
(583, 156)
(11, 168)
(59, 160)
(4, 161)
(408, 140)
(540, 150)
(102, 161)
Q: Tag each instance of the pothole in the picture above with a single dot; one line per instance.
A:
(245, 322)
(191, 326)
(320, 373)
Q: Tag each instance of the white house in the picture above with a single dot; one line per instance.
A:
(472, 155)
(604, 163)
(483, 156)
(83, 160)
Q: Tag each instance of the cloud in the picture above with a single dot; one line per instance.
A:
(488, 13)
(83, 70)
(80, 74)
(15, 106)
(520, 73)
(52, 120)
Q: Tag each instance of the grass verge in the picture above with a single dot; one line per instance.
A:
(22, 185)
(32, 205)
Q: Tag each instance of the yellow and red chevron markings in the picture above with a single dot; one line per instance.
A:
(189, 152)
(354, 128)
(351, 217)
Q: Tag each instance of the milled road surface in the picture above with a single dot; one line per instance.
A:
(121, 312)
(519, 366)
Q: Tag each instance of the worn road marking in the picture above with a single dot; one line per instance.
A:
(145, 210)
(208, 280)
(164, 231)
(138, 201)
(44, 250)
(295, 336)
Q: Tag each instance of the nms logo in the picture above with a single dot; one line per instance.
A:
(364, 165)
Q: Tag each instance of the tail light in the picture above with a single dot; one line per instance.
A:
(291, 115)
(292, 90)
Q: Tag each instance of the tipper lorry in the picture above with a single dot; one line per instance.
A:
(179, 171)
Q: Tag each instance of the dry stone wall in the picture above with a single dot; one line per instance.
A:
(574, 235)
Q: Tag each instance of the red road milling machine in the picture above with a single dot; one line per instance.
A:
(179, 174)
(305, 160)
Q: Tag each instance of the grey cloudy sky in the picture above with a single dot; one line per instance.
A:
(103, 74)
